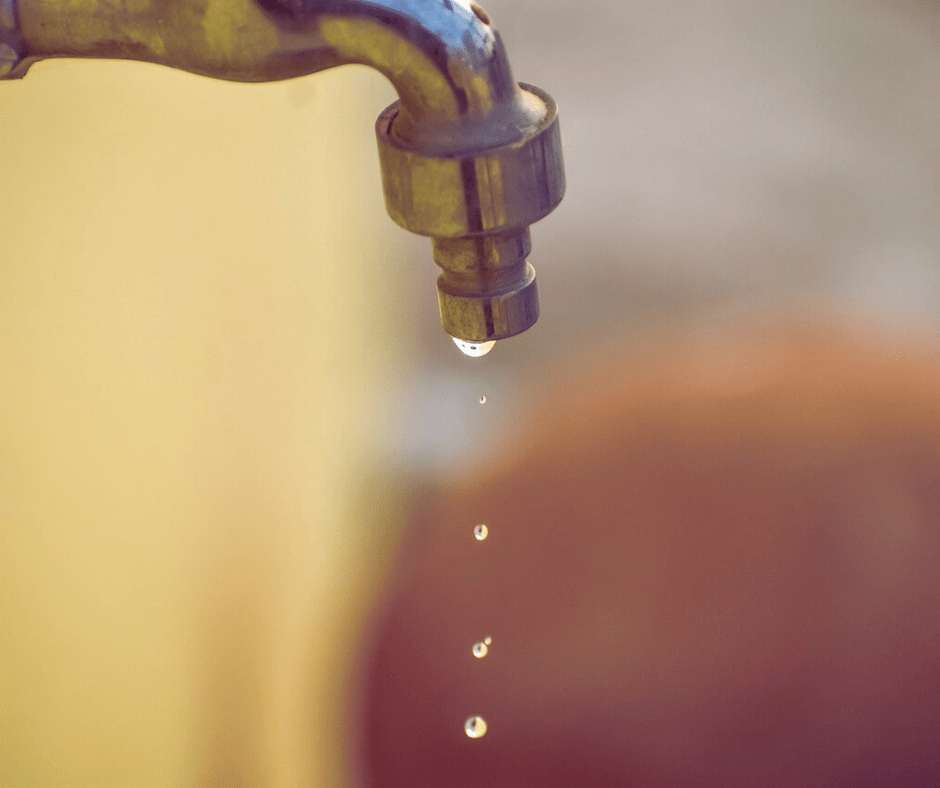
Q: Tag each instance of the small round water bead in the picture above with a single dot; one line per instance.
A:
(475, 727)
(474, 349)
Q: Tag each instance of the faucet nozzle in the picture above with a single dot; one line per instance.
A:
(476, 200)
(487, 288)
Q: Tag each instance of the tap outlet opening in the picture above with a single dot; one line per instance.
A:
(486, 289)
(477, 204)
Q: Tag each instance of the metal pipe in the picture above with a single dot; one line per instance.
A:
(468, 156)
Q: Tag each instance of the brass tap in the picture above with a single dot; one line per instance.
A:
(468, 156)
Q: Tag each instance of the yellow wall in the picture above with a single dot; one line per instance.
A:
(194, 278)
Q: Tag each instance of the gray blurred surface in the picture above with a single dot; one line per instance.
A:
(721, 157)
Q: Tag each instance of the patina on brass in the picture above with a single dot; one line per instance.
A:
(468, 156)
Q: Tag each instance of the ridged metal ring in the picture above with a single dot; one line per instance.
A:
(485, 191)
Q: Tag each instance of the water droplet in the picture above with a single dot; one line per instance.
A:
(480, 650)
(481, 532)
(482, 400)
(474, 349)
(475, 727)
(488, 641)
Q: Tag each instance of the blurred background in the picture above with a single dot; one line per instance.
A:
(722, 158)
(202, 312)
(222, 376)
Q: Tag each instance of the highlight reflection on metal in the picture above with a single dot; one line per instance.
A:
(468, 156)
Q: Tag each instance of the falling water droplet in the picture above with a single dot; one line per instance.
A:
(475, 727)
(481, 532)
(487, 641)
(482, 400)
(480, 650)
(474, 349)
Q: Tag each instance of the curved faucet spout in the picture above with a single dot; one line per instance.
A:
(444, 58)
(466, 153)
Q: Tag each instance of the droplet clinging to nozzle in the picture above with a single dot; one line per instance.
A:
(474, 349)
